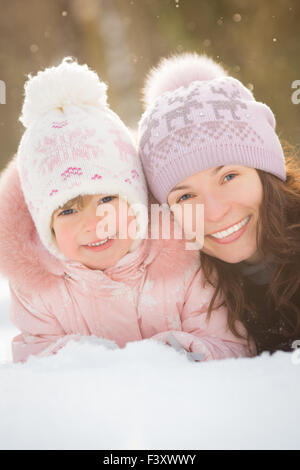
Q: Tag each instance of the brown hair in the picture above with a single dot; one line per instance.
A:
(278, 236)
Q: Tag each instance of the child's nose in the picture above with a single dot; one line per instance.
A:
(90, 219)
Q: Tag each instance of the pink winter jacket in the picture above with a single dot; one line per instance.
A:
(150, 293)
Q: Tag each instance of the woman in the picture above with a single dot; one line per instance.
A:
(205, 140)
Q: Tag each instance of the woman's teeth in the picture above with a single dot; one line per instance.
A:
(229, 231)
(98, 243)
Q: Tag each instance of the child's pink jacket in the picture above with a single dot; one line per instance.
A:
(151, 292)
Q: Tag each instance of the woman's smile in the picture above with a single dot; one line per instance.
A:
(232, 233)
(231, 196)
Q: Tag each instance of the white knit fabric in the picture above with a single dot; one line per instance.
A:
(74, 144)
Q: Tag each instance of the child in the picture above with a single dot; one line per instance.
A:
(205, 139)
(71, 276)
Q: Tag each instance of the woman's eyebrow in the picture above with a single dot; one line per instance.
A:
(218, 168)
(177, 188)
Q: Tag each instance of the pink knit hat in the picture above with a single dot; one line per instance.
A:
(196, 118)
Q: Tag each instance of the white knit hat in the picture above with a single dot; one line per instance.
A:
(75, 145)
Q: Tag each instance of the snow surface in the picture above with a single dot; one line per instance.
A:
(145, 396)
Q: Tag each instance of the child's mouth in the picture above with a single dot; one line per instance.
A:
(100, 245)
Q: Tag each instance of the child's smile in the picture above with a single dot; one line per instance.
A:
(77, 231)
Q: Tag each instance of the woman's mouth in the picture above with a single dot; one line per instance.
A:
(232, 233)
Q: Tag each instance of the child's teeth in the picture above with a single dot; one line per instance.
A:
(98, 243)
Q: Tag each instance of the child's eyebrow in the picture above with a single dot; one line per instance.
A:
(67, 206)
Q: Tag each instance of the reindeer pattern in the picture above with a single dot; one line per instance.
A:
(191, 119)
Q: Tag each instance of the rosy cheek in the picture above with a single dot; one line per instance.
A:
(189, 217)
(131, 227)
(65, 240)
(125, 222)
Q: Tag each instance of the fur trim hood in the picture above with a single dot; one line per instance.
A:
(25, 261)
(23, 258)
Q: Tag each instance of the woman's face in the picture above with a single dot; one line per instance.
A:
(231, 196)
(96, 239)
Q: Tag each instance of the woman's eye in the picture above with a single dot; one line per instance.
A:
(230, 176)
(107, 199)
(184, 197)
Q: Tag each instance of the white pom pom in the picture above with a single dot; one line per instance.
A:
(55, 87)
(180, 70)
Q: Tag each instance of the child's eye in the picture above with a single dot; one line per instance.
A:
(230, 176)
(66, 212)
(107, 199)
(184, 197)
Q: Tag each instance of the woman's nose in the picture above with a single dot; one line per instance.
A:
(215, 208)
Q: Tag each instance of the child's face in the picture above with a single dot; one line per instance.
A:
(75, 228)
(230, 195)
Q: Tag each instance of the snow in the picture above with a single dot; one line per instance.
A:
(145, 396)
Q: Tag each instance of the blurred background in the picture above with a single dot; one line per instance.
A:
(258, 42)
